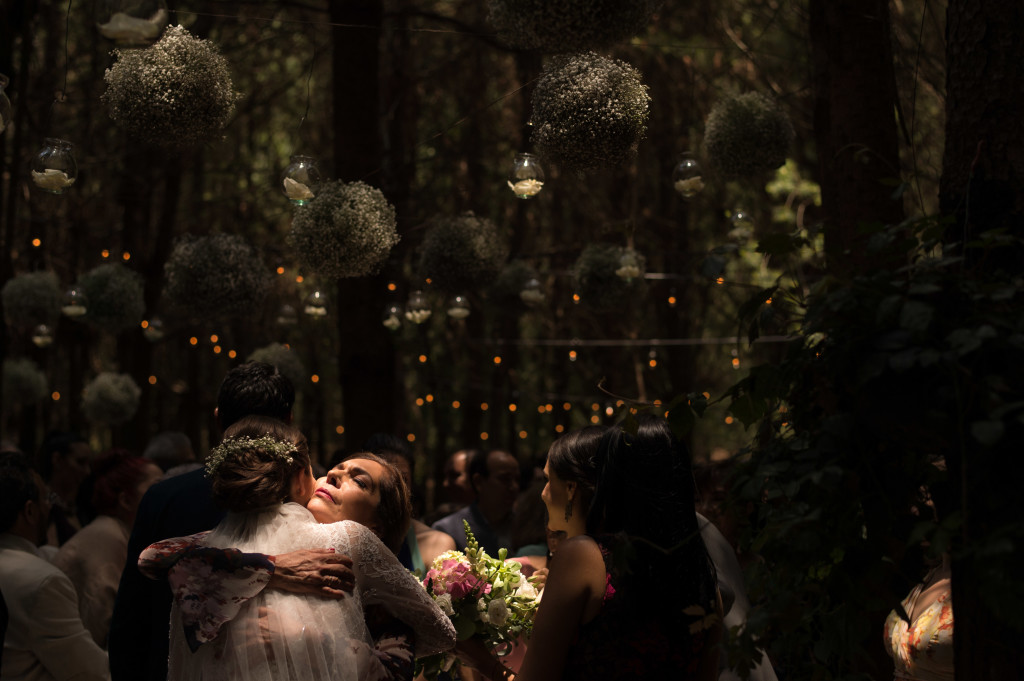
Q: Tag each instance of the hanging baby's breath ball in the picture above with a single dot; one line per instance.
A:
(111, 398)
(600, 280)
(115, 297)
(747, 134)
(285, 359)
(346, 230)
(461, 253)
(24, 382)
(31, 299)
(569, 25)
(589, 111)
(220, 275)
(177, 92)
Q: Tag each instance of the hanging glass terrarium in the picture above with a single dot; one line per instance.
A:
(417, 309)
(392, 319)
(630, 266)
(300, 179)
(532, 294)
(458, 307)
(687, 177)
(131, 23)
(5, 104)
(73, 304)
(54, 169)
(315, 305)
(527, 176)
(154, 330)
(42, 336)
(287, 316)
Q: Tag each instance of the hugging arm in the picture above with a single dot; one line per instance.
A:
(211, 584)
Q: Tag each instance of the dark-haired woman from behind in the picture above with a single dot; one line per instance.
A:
(94, 557)
(631, 591)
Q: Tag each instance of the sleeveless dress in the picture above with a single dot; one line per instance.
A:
(226, 626)
(624, 640)
(923, 649)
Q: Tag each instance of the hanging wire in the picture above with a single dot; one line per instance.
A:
(62, 96)
(309, 80)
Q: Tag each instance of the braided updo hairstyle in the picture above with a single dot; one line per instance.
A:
(253, 467)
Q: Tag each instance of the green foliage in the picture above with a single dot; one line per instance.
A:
(31, 299)
(898, 382)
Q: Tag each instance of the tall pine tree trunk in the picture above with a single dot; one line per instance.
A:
(855, 123)
(981, 189)
(366, 354)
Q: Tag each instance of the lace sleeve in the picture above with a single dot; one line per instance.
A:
(382, 580)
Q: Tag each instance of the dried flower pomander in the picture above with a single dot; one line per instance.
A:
(285, 359)
(589, 111)
(569, 25)
(31, 299)
(177, 92)
(220, 275)
(747, 134)
(346, 230)
(461, 253)
(598, 282)
(115, 294)
(111, 398)
(24, 382)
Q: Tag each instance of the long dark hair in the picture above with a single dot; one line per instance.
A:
(645, 495)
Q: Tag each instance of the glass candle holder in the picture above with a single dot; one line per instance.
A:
(417, 309)
(74, 303)
(687, 177)
(527, 176)
(532, 293)
(287, 316)
(5, 104)
(42, 336)
(131, 23)
(458, 307)
(300, 179)
(54, 169)
(154, 330)
(392, 319)
(315, 305)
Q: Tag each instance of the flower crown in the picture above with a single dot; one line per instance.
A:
(237, 445)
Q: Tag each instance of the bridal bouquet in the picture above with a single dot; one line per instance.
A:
(487, 598)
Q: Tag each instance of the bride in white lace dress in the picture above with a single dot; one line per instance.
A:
(225, 625)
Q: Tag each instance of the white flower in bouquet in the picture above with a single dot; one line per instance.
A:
(483, 596)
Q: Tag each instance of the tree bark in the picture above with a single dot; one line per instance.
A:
(981, 190)
(366, 354)
(855, 124)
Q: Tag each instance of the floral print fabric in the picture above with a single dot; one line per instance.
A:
(922, 650)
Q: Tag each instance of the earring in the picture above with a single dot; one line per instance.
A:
(568, 510)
